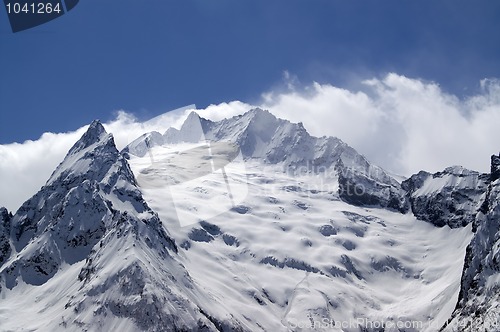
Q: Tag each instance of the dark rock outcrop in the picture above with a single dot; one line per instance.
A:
(451, 197)
(5, 248)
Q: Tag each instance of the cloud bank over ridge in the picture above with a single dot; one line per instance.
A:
(402, 124)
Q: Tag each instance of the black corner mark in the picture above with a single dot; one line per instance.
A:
(26, 14)
(70, 4)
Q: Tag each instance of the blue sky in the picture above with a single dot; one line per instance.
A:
(151, 56)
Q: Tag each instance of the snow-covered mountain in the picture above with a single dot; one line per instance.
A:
(260, 135)
(478, 308)
(319, 239)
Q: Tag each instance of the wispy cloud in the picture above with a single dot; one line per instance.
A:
(402, 124)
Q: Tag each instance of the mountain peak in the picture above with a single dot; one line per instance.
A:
(4, 214)
(193, 128)
(262, 136)
(91, 156)
(193, 115)
(258, 111)
(193, 120)
(260, 114)
(94, 134)
(83, 198)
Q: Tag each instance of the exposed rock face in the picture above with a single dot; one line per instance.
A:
(451, 197)
(369, 186)
(5, 249)
(478, 307)
(495, 168)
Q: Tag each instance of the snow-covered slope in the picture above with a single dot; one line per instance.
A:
(293, 256)
(144, 143)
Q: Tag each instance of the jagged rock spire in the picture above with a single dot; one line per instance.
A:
(495, 167)
(93, 135)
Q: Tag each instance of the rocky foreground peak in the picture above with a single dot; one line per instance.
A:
(91, 216)
(94, 134)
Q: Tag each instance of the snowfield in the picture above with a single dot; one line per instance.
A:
(291, 254)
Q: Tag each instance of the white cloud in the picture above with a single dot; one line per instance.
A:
(402, 124)
(24, 168)
(224, 110)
